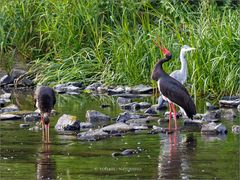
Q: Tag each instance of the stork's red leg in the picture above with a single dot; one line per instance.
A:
(47, 133)
(170, 117)
(43, 128)
(174, 116)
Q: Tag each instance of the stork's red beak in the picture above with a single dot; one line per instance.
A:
(165, 51)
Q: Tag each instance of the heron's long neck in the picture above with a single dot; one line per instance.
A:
(183, 64)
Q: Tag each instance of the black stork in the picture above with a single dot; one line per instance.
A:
(172, 90)
(45, 100)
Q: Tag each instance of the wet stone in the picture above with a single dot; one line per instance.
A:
(96, 117)
(92, 135)
(122, 100)
(67, 123)
(35, 128)
(123, 117)
(117, 128)
(5, 117)
(138, 121)
(192, 125)
(16, 73)
(213, 129)
(7, 79)
(228, 114)
(93, 87)
(126, 152)
(24, 125)
(10, 108)
(102, 89)
(86, 125)
(76, 84)
(213, 137)
(157, 129)
(215, 114)
(5, 96)
(229, 102)
(140, 89)
(117, 90)
(210, 106)
(151, 111)
(66, 88)
(32, 117)
(236, 129)
(144, 105)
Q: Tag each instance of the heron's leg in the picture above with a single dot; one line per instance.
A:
(174, 116)
(170, 116)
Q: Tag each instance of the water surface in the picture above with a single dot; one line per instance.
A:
(182, 155)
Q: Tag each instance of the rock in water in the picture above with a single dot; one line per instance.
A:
(92, 135)
(236, 129)
(96, 117)
(231, 101)
(213, 129)
(67, 123)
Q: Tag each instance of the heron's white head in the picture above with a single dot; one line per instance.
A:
(186, 48)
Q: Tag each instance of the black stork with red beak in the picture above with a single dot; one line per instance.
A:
(172, 90)
(45, 100)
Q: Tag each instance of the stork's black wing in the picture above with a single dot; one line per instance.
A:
(177, 93)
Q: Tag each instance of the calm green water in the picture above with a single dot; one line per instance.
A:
(185, 155)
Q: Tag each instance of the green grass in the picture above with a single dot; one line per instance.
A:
(109, 40)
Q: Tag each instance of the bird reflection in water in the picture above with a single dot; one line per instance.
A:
(46, 166)
(175, 155)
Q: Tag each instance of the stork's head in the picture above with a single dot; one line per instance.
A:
(46, 118)
(186, 48)
(166, 52)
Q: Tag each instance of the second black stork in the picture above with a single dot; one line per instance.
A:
(172, 90)
(45, 100)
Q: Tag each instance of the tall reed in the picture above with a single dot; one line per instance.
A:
(109, 40)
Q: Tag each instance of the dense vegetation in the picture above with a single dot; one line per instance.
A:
(111, 40)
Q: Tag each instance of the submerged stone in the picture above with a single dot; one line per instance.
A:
(228, 114)
(157, 129)
(24, 125)
(213, 129)
(126, 152)
(215, 114)
(96, 117)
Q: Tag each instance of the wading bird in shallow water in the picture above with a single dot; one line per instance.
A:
(45, 100)
(172, 90)
(181, 74)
